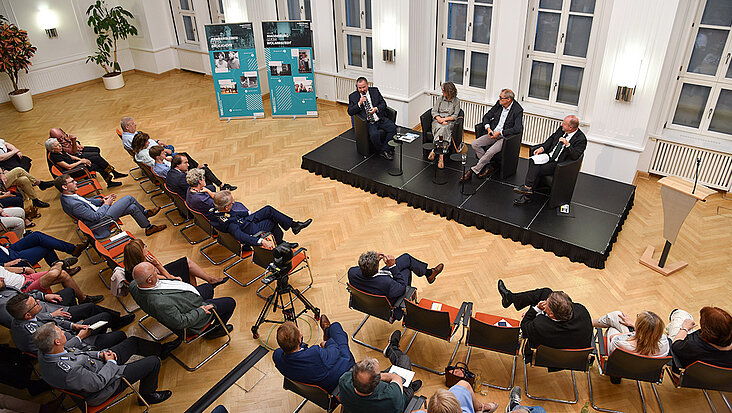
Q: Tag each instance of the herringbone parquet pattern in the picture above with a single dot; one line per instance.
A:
(262, 158)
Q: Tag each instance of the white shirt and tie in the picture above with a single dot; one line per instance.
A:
(370, 105)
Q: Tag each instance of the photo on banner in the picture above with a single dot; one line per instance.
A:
(234, 70)
(288, 48)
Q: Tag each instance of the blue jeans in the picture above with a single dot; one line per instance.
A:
(36, 246)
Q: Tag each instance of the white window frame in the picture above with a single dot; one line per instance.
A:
(216, 11)
(284, 7)
(178, 14)
(558, 58)
(716, 82)
(361, 32)
(467, 45)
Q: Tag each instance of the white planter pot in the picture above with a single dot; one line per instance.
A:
(22, 102)
(113, 82)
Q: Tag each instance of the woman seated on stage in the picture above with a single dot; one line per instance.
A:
(444, 113)
(647, 339)
(181, 269)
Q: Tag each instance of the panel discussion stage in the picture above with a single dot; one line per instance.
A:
(597, 212)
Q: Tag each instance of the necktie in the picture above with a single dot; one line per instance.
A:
(367, 106)
(557, 150)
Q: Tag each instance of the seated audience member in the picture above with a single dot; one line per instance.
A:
(567, 143)
(93, 211)
(444, 113)
(176, 178)
(129, 128)
(392, 280)
(178, 305)
(17, 370)
(25, 279)
(199, 197)
(646, 338)
(237, 220)
(13, 219)
(514, 403)
(11, 157)
(71, 145)
(97, 375)
(553, 319)
(711, 343)
(12, 199)
(36, 246)
(321, 365)
(27, 318)
(368, 104)
(64, 300)
(66, 162)
(459, 399)
(181, 269)
(161, 165)
(505, 118)
(366, 389)
(25, 182)
(142, 152)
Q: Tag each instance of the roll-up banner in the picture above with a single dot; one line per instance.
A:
(234, 70)
(288, 49)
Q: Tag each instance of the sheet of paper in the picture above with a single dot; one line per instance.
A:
(118, 236)
(97, 325)
(407, 375)
(436, 307)
(540, 159)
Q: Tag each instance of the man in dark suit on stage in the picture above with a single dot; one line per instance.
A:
(568, 142)
(367, 103)
(505, 118)
(393, 279)
(553, 319)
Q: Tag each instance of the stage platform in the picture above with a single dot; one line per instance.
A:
(597, 212)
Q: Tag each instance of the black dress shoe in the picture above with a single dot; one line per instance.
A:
(299, 226)
(219, 332)
(225, 279)
(394, 338)
(523, 190)
(123, 321)
(228, 187)
(523, 200)
(155, 397)
(92, 299)
(112, 184)
(415, 385)
(40, 204)
(387, 155)
(169, 347)
(43, 185)
(66, 263)
(506, 294)
(118, 175)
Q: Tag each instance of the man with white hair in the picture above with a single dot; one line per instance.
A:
(129, 128)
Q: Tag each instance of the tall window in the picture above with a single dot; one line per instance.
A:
(356, 47)
(185, 21)
(296, 9)
(704, 91)
(216, 10)
(465, 41)
(560, 35)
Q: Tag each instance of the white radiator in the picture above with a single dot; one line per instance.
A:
(674, 159)
(344, 87)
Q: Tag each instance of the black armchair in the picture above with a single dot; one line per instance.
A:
(507, 160)
(563, 181)
(457, 132)
(361, 130)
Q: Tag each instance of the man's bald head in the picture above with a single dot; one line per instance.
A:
(145, 274)
(56, 133)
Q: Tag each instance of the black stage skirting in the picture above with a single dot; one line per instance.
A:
(597, 212)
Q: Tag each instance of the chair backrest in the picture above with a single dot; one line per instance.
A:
(371, 304)
(494, 338)
(509, 155)
(431, 322)
(566, 359)
(149, 173)
(391, 113)
(635, 366)
(230, 243)
(314, 394)
(361, 131)
(457, 129)
(425, 119)
(563, 182)
(179, 202)
(119, 133)
(701, 375)
(200, 220)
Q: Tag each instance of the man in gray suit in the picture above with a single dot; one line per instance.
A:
(97, 375)
(178, 305)
(93, 211)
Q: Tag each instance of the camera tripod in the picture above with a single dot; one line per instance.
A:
(276, 299)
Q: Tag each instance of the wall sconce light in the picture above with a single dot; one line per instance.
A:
(389, 40)
(48, 22)
(388, 55)
(627, 79)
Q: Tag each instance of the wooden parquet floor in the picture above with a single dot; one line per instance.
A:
(262, 158)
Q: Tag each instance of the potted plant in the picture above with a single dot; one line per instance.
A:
(110, 25)
(15, 54)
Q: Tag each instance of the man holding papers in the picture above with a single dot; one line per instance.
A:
(568, 142)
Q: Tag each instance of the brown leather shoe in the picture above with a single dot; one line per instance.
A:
(154, 228)
(324, 324)
(438, 269)
(73, 271)
(486, 172)
(79, 248)
(152, 212)
(466, 177)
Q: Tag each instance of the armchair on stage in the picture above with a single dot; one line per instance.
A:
(561, 184)
(361, 130)
(507, 160)
(457, 131)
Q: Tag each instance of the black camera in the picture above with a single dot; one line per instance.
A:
(282, 262)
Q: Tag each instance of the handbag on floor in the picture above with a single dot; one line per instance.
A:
(459, 371)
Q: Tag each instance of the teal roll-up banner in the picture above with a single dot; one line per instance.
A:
(288, 49)
(234, 70)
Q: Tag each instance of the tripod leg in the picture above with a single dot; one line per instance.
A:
(308, 304)
(263, 314)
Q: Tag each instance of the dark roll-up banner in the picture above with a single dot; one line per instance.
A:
(234, 70)
(288, 48)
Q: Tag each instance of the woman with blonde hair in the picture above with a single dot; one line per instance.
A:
(459, 399)
(181, 269)
(444, 113)
(643, 336)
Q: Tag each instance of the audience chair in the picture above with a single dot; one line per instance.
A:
(312, 393)
(180, 206)
(160, 183)
(86, 183)
(628, 365)
(495, 333)
(126, 391)
(136, 178)
(377, 306)
(561, 184)
(151, 178)
(425, 121)
(361, 130)
(112, 251)
(414, 404)
(200, 221)
(87, 233)
(238, 250)
(704, 376)
(559, 359)
(300, 261)
(435, 319)
(189, 338)
(507, 160)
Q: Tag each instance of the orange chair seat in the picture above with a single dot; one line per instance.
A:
(494, 319)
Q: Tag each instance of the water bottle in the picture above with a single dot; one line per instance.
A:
(478, 382)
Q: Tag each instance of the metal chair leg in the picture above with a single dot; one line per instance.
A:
(592, 397)
(431, 370)
(148, 191)
(655, 393)
(175, 224)
(190, 241)
(211, 244)
(136, 178)
(526, 389)
(150, 333)
(152, 198)
(248, 283)
(643, 399)
(300, 406)
(495, 386)
(724, 398)
(210, 356)
(363, 343)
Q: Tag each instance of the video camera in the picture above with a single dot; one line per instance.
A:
(281, 266)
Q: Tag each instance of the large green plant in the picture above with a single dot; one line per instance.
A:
(15, 51)
(109, 25)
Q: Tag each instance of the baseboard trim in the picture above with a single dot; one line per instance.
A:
(641, 175)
